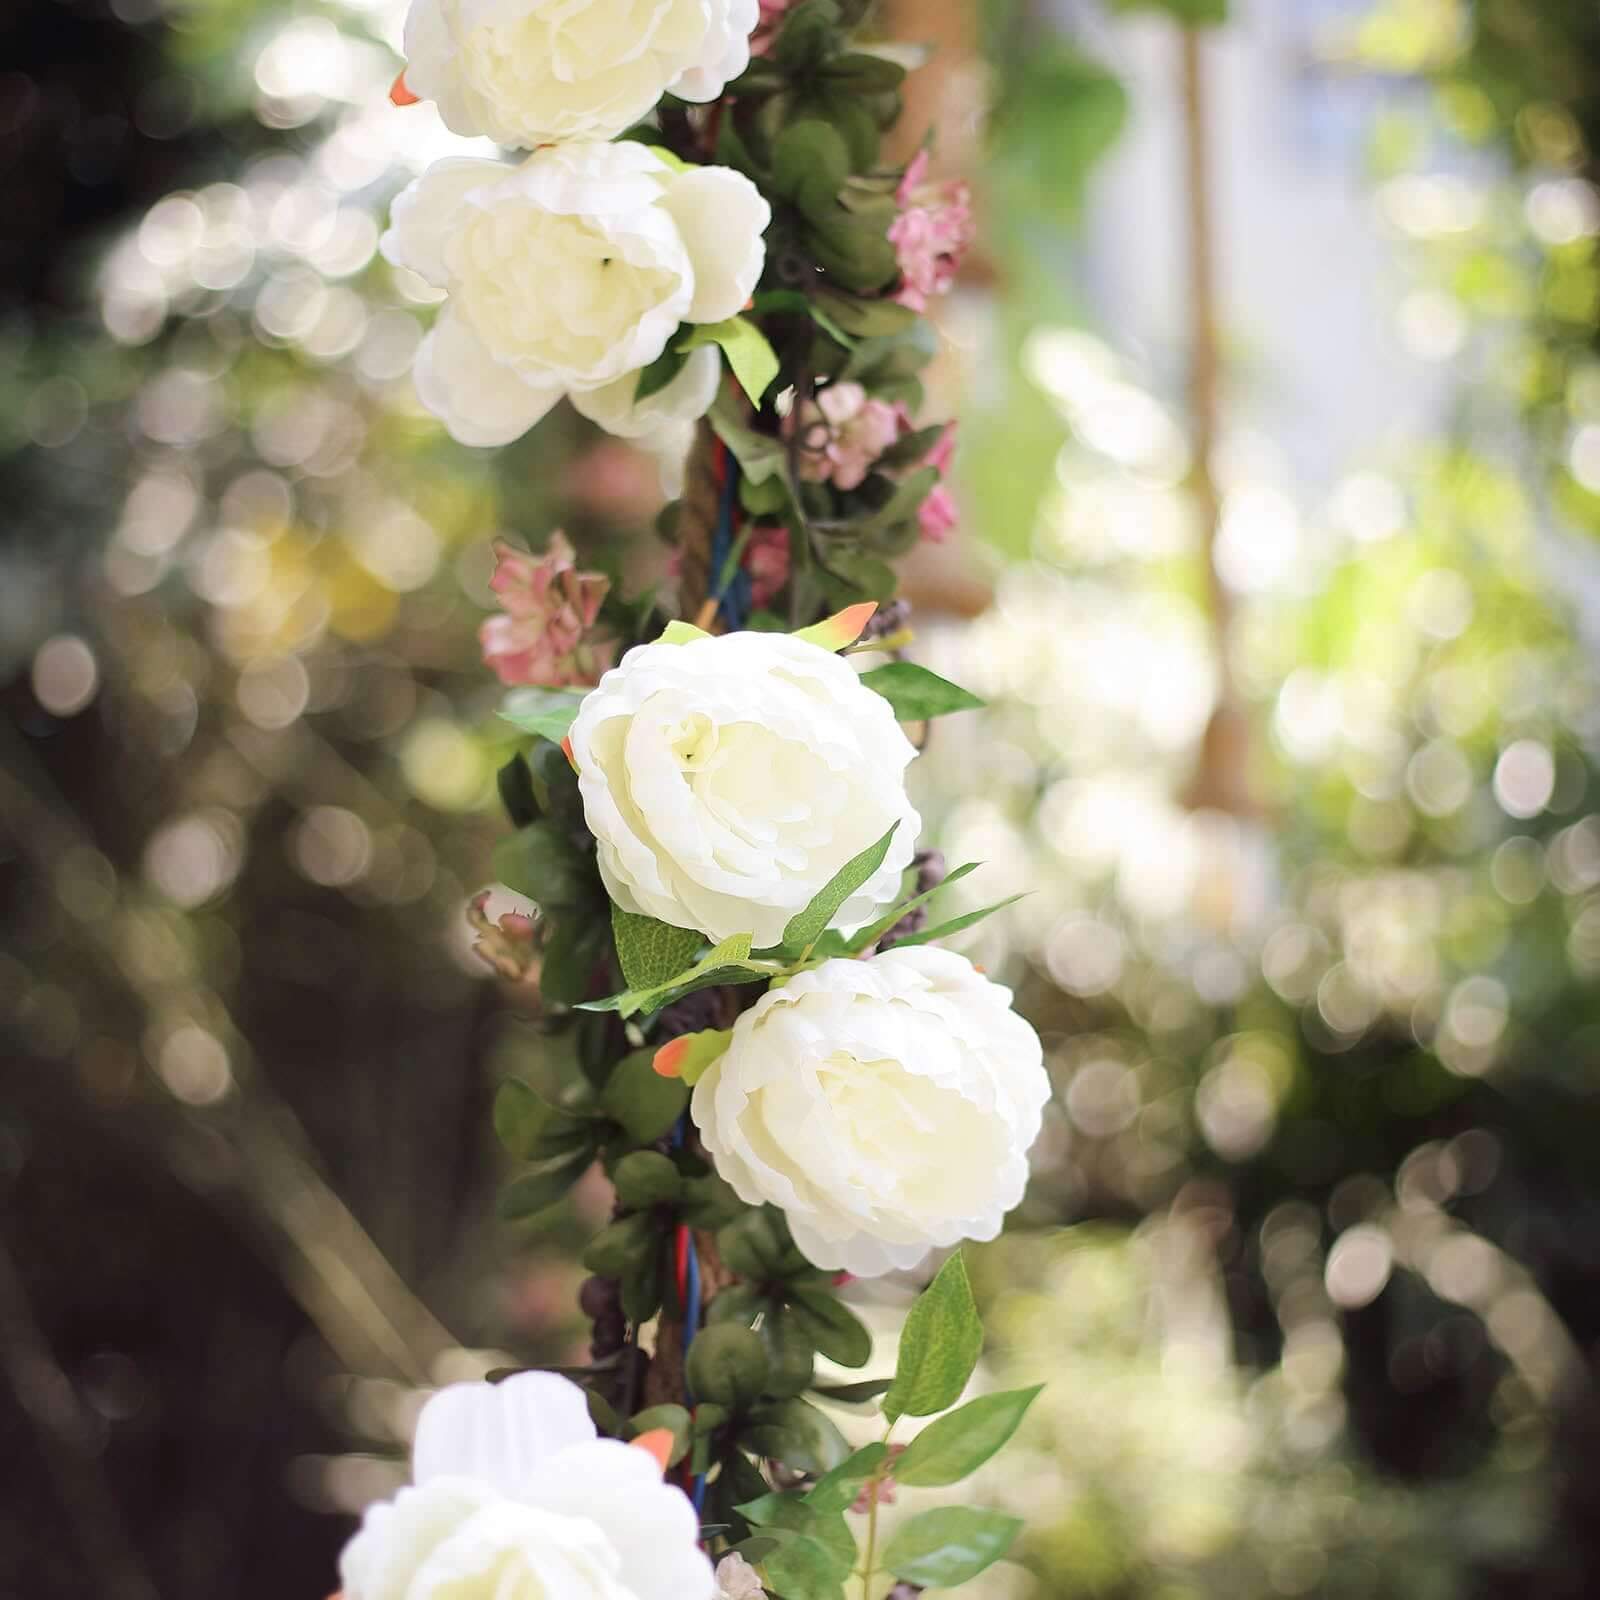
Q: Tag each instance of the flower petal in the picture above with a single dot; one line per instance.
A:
(479, 400)
(425, 214)
(499, 1433)
(721, 216)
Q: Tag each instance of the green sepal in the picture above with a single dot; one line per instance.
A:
(679, 632)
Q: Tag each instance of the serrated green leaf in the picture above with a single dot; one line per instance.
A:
(870, 935)
(917, 694)
(541, 862)
(806, 927)
(727, 1365)
(537, 1190)
(795, 1433)
(947, 1450)
(640, 1099)
(646, 1178)
(939, 1346)
(546, 712)
(939, 1549)
(751, 357)
(837, 1489)
(651, 952)
(722, 964)
(832, 1327)
(956, 924)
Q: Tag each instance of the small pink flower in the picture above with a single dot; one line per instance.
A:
(930, 235)
(938, 514)
(544, 635)
(880, 1490)
(842, 433)
(770, 25)
(766, 559)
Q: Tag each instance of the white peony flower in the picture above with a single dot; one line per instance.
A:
(567, 275)
(515, 1498)
(534, 72)
(726, 780)
(887, 1106)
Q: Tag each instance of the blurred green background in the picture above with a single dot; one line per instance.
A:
(1297, 758)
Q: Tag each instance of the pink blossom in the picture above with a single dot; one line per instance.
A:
(766, 559)
(930, 235)
(770, 25)
(842, 433)
(544, 635)
(938, 514)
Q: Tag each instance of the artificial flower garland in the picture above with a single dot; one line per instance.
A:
(784, 1079)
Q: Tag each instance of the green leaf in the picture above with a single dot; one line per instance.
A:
(655, 377)
(540, 1188)
(531, 1129)
(795, 1433)
(623, 1247)
(853, 1394)
(541, 862)
(760, 456)
(546, 712)
(646, 1178)
(651, 951)
(727, 1365)
(1188, 11)
(939, 1346)
(957, 924)
(947, 1450)
(755, 1245)
(740, 1304)
(917, 694)
(809, 151)
(724, 963)
(673, 1418)
(576, 945)
(864, 74)
(863, 319)
(709, 1202)
(833, 1328)
(750, 355)
(779, 300)
(800, 1515)
(517, 793)
(806, 927)
(803, 1568)
(871, 935)
(790, 1352)
(939, 1549)
(837, 1490)
(638, 1097)
(904, 501)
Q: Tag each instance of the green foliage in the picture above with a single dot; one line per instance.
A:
(939, 1549)
(873, 932)
(727, 1365)
(832, 1328)
(724, 964)
(651, 952)
(542, 862)
(939, 1346)
(646, 1178)
(968, 919)
(947, 1450)
(674, 1418)
(750, 355)
(837, 1488)
(546, 712)
(795, 1433)
(807, 926)
(1189, 12)
(916, 693)
(541, 1186)
(638, 1098)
